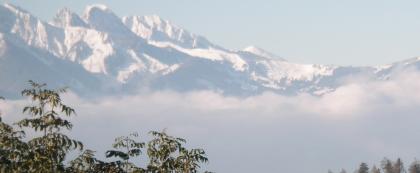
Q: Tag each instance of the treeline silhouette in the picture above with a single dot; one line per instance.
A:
(48, 150)
(387, 166)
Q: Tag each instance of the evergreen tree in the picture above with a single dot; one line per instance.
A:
(414, 167)
(398, 166)
(375, 170)
(387, 166)
(363, 168)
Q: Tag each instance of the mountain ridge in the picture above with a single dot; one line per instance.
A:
(124, 54)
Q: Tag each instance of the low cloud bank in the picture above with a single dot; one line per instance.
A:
(360, 121)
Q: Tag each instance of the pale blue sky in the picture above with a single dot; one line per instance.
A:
(344, 32)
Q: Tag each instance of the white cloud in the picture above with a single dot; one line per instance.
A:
(360, 121)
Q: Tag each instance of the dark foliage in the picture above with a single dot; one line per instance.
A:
(47, 150)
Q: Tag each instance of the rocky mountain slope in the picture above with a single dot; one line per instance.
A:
(98, 53)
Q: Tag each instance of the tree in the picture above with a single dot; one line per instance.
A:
(49, 150)
(13, 155)
(188, 160)
(12, 148)
(87, 163)
(398, 166)
(363, 168)
(161, 152)
(343, 171)
(50, 146)
(387, 166)
(414, 167)
(375, 170)
(127, 147)
(166, 154)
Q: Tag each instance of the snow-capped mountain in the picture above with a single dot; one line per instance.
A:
(99, 53)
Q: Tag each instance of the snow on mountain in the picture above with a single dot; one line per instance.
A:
(66, 18)
(157, 29)
(20, 62)
(33, 31)
(101, 18)
(261, 52)
(211, 54)
(104, 54)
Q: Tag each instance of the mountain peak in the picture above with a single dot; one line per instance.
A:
(17, 20)
(101, 18)
(154, 19)
(153, 27)
(13, 8)
(96, 9)
(65, 17)
(410, 61)
(260, 52)
(101, 7)
(252, 48)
